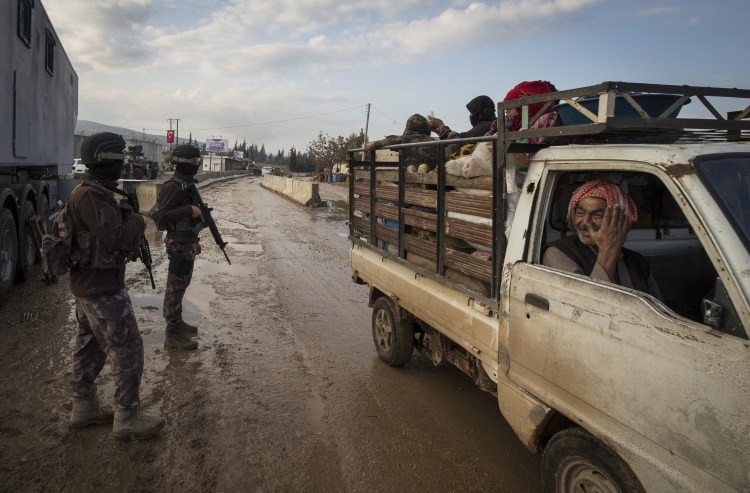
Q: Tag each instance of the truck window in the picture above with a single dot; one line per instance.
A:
(728, 180)
(687, 280)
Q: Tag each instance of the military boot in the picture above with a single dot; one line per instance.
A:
(177, 339)
(130, 424)
(187, 329)
(86, 412)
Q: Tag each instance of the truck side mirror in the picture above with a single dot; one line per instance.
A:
(719, 313)
(713, 313)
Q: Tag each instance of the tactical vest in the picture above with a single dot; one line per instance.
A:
(87, 250)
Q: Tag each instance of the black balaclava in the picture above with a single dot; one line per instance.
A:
(481, 108)
(103, 154)
(185, 159)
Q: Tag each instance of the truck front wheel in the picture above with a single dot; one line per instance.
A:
(575, 461)
(394, 340)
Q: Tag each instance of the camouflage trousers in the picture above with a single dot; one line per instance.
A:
(181, 262)
(107, 327)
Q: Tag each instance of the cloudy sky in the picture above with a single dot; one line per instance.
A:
(279, 72)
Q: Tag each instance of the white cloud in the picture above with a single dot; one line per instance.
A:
(245, 62)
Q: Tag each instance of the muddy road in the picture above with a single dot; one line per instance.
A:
(284, 393)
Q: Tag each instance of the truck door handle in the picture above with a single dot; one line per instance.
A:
(537, 301)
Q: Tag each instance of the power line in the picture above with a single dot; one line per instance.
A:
(394, 120)
(272, 122)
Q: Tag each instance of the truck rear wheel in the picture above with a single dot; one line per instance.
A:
(394, 340)
(576, 461)
(26, 246)
(44, 213)
(8, 252)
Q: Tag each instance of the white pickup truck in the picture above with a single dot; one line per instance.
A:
(619, 390)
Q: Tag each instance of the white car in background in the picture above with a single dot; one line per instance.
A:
(78, 167)
(266, 170)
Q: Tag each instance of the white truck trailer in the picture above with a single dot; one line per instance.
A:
(39, 101)
(618, 390)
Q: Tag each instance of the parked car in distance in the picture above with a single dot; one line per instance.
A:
(78, 167)
(266, 170)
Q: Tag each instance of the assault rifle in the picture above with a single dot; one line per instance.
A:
(192, 190)
(143, 248)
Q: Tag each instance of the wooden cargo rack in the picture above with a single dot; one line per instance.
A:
(458, 244)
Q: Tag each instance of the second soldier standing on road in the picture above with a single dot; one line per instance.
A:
(178, 214)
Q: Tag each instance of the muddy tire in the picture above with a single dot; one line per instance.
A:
(43, 211)
(27, 253)
(394, 340)
(575, 461)
(8, 253)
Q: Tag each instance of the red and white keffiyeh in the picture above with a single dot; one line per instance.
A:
(606, 190)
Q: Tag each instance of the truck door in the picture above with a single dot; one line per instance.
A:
(622, 363)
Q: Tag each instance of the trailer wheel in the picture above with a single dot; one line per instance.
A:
(575, 461)
(44, 213)
(8, 242)
(26, 246)
(394, 340)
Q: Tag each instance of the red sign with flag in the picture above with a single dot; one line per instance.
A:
(170, 136)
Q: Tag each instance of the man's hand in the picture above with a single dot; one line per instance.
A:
(197, 212)
(435, 123)
(610, 237)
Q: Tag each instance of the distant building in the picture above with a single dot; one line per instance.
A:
(218, 162)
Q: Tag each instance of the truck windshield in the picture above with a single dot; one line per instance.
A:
(728, 179)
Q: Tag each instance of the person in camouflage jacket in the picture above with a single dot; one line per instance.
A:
(417, 130)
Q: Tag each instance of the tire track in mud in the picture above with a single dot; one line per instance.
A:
(308, 251)
(250, 374)
(285, 392)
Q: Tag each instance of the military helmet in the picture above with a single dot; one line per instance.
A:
(102, 148)
(186, 154)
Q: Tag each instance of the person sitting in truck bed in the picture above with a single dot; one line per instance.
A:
(513, 120)
(601, 215)
(481, 115)
(422, 158)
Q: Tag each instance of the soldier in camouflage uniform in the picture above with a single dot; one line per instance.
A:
(105, 236)
(178, 214)
(417, 130)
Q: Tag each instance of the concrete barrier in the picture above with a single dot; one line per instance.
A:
(300, 191)
(148, 190)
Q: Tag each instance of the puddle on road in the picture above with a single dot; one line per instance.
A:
(239, 245)
(221, 267)
(151, 300)
(246, 247)
(337, 204)
(226, 223)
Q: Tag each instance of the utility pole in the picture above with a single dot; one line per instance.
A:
(367, 124)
